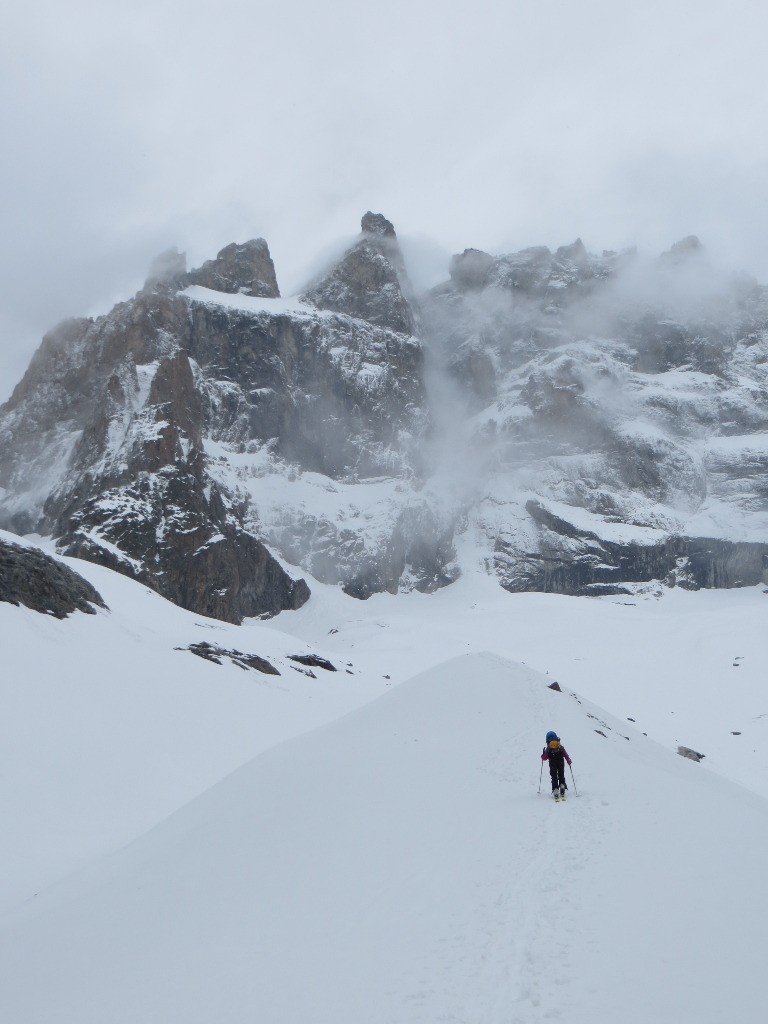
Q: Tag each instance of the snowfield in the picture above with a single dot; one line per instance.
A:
(190, 842)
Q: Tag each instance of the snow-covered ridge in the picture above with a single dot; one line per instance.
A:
(401, 845)
(400, 864)
(250, 303)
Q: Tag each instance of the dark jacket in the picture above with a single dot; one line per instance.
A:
(547, 753)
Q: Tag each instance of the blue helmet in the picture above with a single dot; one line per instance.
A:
(552, 736)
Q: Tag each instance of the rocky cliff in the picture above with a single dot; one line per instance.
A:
(570, 422)
(128, 435)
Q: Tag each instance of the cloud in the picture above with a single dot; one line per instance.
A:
(489, 125)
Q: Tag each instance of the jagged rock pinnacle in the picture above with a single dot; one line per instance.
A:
(370, 281)
(377, 224)
(245, 268)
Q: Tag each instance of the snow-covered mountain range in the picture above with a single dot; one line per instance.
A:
(572, 423)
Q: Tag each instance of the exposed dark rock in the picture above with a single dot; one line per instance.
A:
(177, 402)
(155, 516)
(337, 395)
(313, 661)
(555, 686)
(246, 268)
(370, 282)
(33, 579)
(571, 560)
(214, 653)
(377, 224)
(692, 755)
(170, 531)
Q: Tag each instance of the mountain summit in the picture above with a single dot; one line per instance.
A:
(370, 282)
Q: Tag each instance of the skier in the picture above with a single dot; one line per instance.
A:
(557, 755)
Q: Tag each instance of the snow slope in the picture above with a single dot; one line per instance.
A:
(688, 668)
(399, 866)
(109, 725)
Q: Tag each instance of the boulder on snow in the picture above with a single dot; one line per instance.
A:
(31, 578)
(215, 654)
(313, 661)
(692, 755)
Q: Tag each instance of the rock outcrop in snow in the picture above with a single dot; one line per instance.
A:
(30, 578)
(571, 422)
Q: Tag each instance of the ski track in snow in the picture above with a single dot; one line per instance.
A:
(501, 962)
(510, 976)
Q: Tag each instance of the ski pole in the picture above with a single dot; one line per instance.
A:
(540, 771)
(574, 780)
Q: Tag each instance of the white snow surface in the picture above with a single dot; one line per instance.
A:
(191, 842)
(250, 303)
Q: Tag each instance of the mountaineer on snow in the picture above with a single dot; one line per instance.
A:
(557, 755)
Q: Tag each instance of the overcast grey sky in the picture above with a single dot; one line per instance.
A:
(127, 128)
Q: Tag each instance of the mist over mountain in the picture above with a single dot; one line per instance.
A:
(571, 422)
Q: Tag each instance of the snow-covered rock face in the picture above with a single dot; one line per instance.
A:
(137, 439)
(570, 422)
(620, 409)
